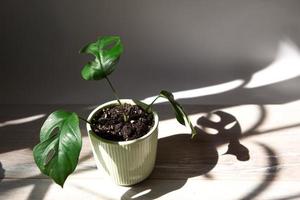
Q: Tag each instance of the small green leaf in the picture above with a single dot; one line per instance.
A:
(107, 51)
(60, 143)
(181, 116)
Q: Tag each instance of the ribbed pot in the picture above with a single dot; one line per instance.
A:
(126, 162)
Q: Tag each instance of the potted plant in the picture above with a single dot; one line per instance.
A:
(122, 133)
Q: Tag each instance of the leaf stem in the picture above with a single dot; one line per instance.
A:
(114, 90)
(85, 120)
(117, 97)
(150, 105)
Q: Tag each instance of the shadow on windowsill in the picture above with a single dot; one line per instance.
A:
(180, 157)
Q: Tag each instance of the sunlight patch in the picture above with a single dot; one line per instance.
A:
(286, 66)
(204, 91)
(140, 194)
(22, 120)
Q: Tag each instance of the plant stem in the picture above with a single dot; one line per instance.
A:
(114, 90)
(117, 97)
(150, 105)
(85, 120)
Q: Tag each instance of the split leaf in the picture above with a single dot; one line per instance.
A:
(107, 51)
(60, 143)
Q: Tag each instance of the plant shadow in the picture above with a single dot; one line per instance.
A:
(180, 157)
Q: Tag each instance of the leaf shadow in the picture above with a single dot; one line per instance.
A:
(180, 157)
(176, 164)
(271, 173)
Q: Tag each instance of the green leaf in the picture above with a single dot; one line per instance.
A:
(181, 115)
(107, 51)
(60, 143)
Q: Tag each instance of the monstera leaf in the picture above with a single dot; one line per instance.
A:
(181, 116)
(60, 143)
(107, 51)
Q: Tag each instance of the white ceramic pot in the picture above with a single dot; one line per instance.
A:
(126, 162)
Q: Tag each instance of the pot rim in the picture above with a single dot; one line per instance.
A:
(129, 101)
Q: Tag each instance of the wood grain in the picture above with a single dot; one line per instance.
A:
(185, 168)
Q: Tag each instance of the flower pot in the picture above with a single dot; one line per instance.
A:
(126, 162)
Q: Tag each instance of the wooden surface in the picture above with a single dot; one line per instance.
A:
(185, 169)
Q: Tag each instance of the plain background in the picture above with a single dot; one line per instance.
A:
(175, 45)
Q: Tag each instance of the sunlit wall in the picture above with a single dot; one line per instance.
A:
(205, 51)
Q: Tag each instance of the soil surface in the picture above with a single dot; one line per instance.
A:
(109, 123)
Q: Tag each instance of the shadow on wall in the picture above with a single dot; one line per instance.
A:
(178, 46)
(269, 82)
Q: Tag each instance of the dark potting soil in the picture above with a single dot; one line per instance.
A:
(109, 123)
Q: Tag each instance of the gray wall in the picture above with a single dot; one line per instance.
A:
(176, 45)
